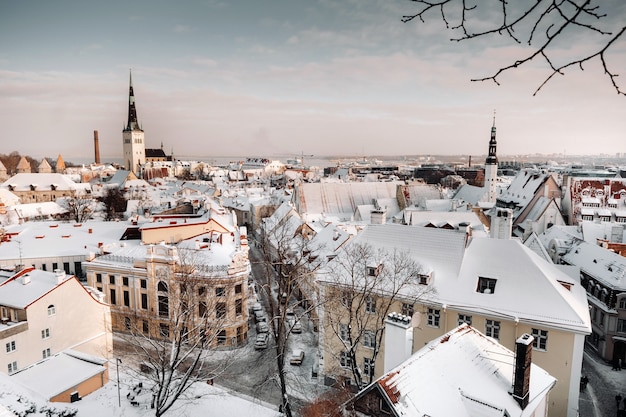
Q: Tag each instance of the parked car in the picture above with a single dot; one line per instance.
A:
(261, 341)
(296, 327)
(260, 316)
(262, 327)
(296, 358)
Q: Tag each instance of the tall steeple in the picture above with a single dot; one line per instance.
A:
(492, 158)
(133, 137)
(132, 124)
(491, 165)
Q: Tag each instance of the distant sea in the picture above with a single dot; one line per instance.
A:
(319, 161)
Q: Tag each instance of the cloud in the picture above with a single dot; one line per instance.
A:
(181, 28)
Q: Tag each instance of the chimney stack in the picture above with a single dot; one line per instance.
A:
(398, 340)
(96, 147)
(521, 377)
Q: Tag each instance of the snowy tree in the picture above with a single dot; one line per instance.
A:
(80, 207)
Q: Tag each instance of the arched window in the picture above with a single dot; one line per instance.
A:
(127, 323)
(596, 291)
(590, 285)
(162, 286)
(603, 295)
(52, 310)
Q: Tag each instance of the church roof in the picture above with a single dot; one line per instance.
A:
(44, 166)
(23, 165)
(60, 164)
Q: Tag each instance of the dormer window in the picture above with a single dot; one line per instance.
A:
(486, 285)
(423, 279)
(374, 271)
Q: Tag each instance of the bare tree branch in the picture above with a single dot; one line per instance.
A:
(554, 15)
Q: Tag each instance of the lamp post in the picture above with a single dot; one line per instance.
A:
(119, 397)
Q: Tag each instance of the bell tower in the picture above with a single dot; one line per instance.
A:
(133, 137)
(491, 165)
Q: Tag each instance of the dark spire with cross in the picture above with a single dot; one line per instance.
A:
(132, 124)
(492, 158)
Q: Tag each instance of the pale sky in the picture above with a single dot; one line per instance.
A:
(263, 78)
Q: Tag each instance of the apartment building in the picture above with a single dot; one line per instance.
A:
(498, 286)
(145, 286)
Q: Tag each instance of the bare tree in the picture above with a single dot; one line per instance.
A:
(362, 287)
(286, 256)
(80, 206)
(175, 356)
(540, 24)
(114, 203)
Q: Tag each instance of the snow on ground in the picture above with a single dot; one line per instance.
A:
(106, 403)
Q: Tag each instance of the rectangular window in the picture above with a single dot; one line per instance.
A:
(541, 339)
(201, 291)
(369, 339)
(164, 330)
(11, 346)
(492, 329)
(464, 318)
(221, 337)
(433, 317)
(98, 277)
(621, 326)
(145, 328)
(370, 304)
(66, 267)
(45, 333)
(407, 309)
(220, 292)
(12, 367)
(220, 310)
(202, 309)
(112, 279)
(55, 265)
(126, 299)
(43, 267)
(368, 367)
(238, 307)
(346, 299)
(125, 281)
(344, 333)
(486, 285)
(144, 301)
(112, 296)
(164, 306)
(345, 359)
(238, 289)
(143, 283)
(45, 353)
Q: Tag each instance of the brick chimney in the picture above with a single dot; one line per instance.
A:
(521, 373)
(96, 147)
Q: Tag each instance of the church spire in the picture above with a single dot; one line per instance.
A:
(132, 124)
(492, 159)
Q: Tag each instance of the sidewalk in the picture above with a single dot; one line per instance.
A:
(598, 400)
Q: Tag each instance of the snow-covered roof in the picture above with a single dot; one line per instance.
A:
(592, 231)
(471, 193)
(462, 374)
(7, 197)
(44, 181)
(59, 373)
(527, 287)
(601, 264)
(523, 187)
(340, 199)
(55, 239)
(28, 286)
